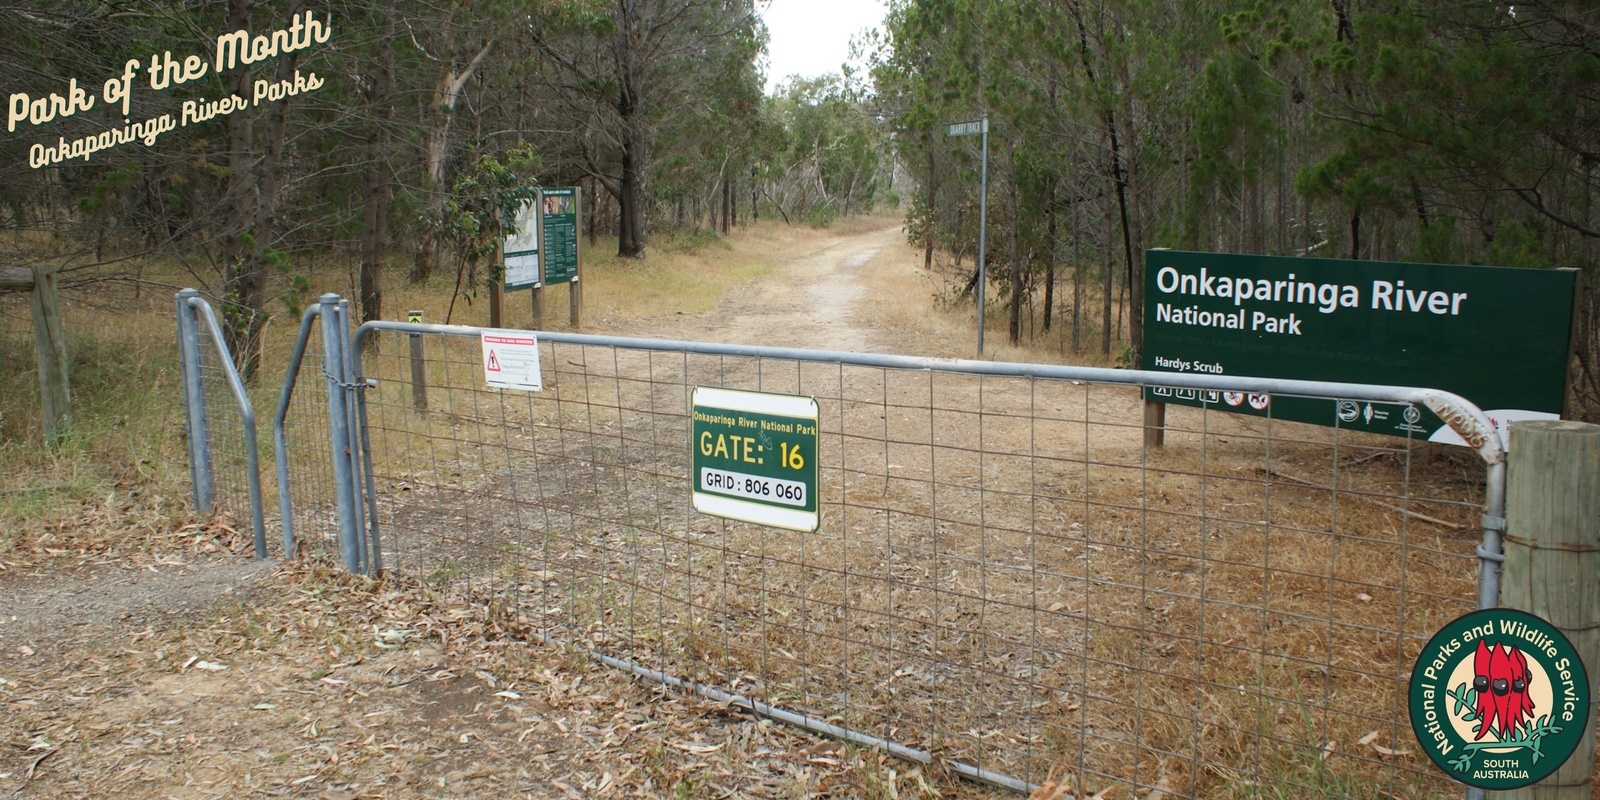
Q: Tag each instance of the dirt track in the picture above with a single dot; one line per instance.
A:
(814, 300)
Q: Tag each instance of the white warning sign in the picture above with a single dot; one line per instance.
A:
(511, 360)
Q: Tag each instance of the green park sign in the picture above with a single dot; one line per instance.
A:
(754, 457)
(559, 206)
(1498, 337)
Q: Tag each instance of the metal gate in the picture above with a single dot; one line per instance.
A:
(1005, 580)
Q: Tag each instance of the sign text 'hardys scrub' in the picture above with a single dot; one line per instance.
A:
(1498, 337)
(1499, 699)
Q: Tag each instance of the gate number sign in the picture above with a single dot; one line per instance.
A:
(754, 457)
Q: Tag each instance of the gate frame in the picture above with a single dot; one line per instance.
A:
(192, 308)
(1462, 416)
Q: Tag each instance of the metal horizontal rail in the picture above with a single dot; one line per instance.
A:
(1460, 414)
(247, 414)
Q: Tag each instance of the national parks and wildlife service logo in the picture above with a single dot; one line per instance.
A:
(1499, 699)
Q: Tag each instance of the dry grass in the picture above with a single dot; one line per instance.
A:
(945, 327)
(684, 274)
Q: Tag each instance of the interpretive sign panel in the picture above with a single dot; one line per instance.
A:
(560, 229)
(522, 249)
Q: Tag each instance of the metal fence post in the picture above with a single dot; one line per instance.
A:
(334, 366)
(194, 403)
(419, 365)
(1552, 555)
(352, 401)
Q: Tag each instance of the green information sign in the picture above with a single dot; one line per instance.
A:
(754, 457)
(1498, 337)
(1499, 699)
(559, 220)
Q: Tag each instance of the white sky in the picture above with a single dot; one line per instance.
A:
(811, 37)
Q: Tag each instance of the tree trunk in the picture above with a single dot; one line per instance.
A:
(630, 224)
(1105, 267)
(1077, 284)
(1050, 256)
(244, 271)
(375, 217)
(594, 211)
(441, 111)
(1134, 247)
(1120, 174)
(1017, 272)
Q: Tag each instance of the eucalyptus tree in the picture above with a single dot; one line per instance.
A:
(628, 73)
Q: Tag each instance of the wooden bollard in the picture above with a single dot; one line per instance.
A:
(1552, 566)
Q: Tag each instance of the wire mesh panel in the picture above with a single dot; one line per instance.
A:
(230, 463)
(305, 452)
(1004, 576)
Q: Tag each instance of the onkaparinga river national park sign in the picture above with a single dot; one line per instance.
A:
(1499, 699)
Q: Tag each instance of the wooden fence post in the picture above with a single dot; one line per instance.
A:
(1155, 424)
(419, 365)
(1552, 566)
(49, 344)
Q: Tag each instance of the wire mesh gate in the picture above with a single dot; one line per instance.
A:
(224, 467)
(1005, 581)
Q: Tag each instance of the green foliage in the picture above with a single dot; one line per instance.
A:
(484, 202)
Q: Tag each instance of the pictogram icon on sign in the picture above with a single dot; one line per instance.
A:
(494, 363)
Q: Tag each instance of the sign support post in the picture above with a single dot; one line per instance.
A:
(981, 128)
(497, 294)
(575, 286)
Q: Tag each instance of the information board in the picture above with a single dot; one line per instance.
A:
(754, 457)
(1499, 337)
(560, 230)
(521, 249)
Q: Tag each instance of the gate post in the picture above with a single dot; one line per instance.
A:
(335, 370)
(1552, 566)
(194, 404)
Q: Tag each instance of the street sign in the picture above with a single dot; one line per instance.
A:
(754, 457)
(1497, 336)
(511, 360)
(559, 211)
(972, 128)
(522, 249)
